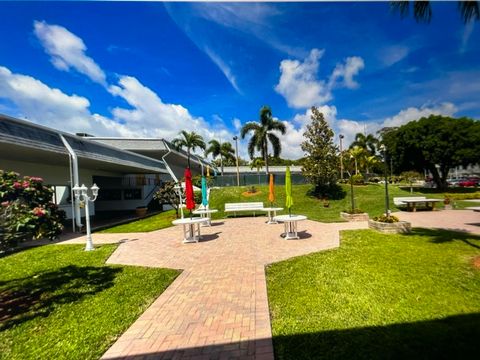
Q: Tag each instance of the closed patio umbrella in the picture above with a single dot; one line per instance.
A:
(189, 198)
(288, 191)
(271, 191)
(204, 192)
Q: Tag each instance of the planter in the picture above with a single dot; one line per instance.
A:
(390, 228)
(354, 217)
(141, 211)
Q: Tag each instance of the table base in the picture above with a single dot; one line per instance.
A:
(291, 232)
(190, 234)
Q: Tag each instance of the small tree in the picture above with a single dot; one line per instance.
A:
(321, 163)
(411, 177)
(168, 194)
(26, 210)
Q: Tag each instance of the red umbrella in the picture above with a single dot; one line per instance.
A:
(189, 201)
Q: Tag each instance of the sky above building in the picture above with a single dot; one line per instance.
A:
(153, 69)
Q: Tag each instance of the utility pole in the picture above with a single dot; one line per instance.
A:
(341, 155)
(236, 153)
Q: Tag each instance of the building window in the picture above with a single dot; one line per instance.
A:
(109, 195)
(132, 194)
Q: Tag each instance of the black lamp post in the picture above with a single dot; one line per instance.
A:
(352, 197)
(387, 205)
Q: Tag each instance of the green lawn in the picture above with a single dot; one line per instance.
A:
(60, 302)
(379, 297)
(151, 223)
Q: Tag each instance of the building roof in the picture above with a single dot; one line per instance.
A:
(273, 169)
(23, 140)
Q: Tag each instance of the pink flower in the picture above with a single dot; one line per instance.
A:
(39, 179)
(25, 184)
(38, 211)
(5, 203)
(17, 185)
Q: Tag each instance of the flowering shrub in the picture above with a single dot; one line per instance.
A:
(386, 219)
(26, 210)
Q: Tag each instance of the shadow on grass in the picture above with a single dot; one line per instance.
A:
(443, 236)
(27, 298)
(454, 337)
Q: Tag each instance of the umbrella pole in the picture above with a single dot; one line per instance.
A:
(290, 212)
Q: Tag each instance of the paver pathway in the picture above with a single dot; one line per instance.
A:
(217, 308)
(457, 220)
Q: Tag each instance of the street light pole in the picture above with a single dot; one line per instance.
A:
(341, 155)
(236, 152)
(81, 194)
(385, 167)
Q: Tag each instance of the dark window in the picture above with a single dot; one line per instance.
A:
(132, 194)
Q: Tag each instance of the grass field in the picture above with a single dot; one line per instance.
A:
(60, 302)
(379, 297)
(151, 223)
(370, 198)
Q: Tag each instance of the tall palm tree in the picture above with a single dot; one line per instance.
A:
(422, 10)
(264, 133)
(190, 141)
(223, 150)
(257, 163)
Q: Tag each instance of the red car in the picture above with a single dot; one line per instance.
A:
(469, 182)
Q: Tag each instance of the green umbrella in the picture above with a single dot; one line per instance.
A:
(288, 190)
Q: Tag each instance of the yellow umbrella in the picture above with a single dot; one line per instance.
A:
(271, 193)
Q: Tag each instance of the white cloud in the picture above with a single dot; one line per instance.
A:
(226, 69)
(343, 74)
(467, 32)
(237, 124)
(393, 54)
(298, 82)
(413, 113)
(67, 51)
(51, 107)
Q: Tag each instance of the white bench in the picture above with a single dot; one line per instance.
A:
(398, 201)
(411, 203)
(245, 206)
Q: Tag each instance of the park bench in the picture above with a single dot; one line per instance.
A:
(412, 202)
(244, 206)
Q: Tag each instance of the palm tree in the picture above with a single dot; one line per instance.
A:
(357, 153)
(190, 141)
(367, 142)
(422, 10)
(263, 133)
(257, 163)
(224, 150)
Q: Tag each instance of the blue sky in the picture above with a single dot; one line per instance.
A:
(153, 69)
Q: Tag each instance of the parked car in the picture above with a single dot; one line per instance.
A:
(469, 182)
(454, 182)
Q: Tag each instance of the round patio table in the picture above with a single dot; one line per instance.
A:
(190, 234)
(272, 212)
(206, 214)
(290, 222)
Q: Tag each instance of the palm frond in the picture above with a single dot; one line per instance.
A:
(276, 144)
(469, 10)
(249, 126)
(278, 126)
(252, 144)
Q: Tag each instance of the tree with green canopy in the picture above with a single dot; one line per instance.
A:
(224, 151)
(190, 141)
(264, 132)
(321, 163)
(435, 143)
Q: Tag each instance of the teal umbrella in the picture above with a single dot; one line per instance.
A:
(204, 192)
(288, 191)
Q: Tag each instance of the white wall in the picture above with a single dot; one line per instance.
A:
(54, 175)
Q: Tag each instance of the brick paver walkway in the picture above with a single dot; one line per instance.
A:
(217, 308)
(457, 220)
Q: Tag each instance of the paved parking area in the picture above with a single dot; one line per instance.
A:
(218, 307)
